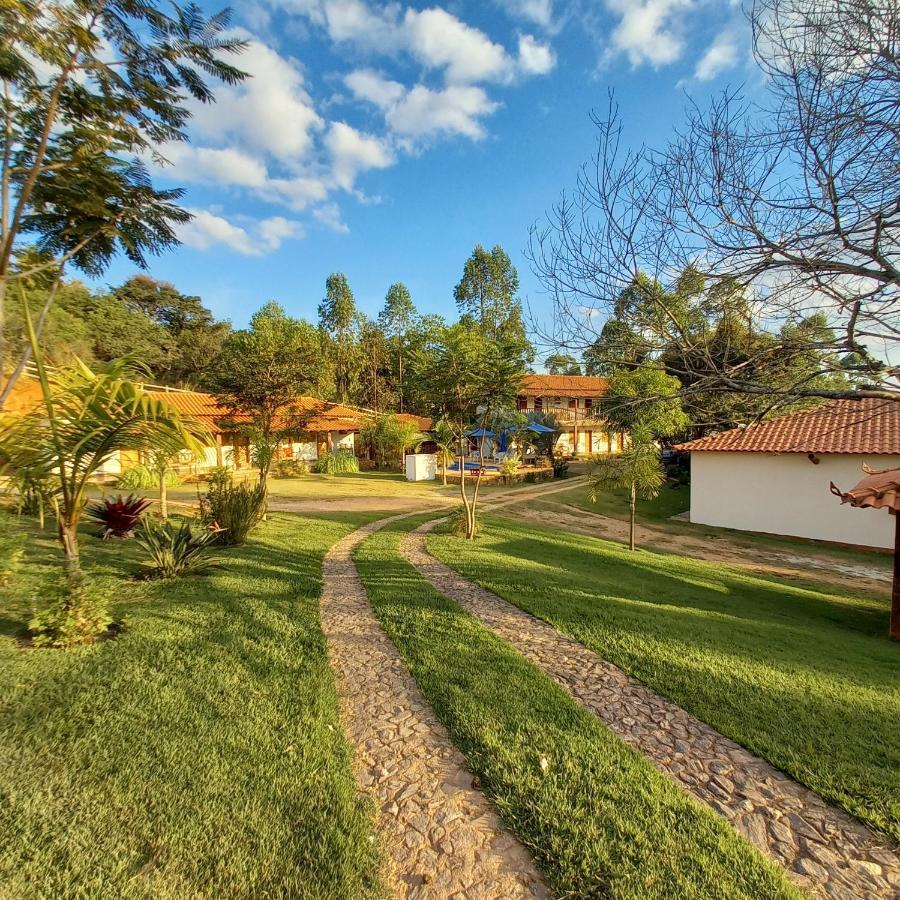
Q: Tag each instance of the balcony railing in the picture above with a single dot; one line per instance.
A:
(585, 417)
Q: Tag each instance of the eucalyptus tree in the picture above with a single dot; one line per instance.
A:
(339, 321)
(90, 90)
(396, 320)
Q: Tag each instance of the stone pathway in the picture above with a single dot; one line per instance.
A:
(441, 836)
(823, 849)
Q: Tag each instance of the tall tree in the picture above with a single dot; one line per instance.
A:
(263, 370)
(88, 89)
(338, 320)
(791, 197)
(562, 364)
(487, 294)
(396, 320)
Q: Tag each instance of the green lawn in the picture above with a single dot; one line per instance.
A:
(803, 677)
(657, 513)
(601, 821)
(200, 753)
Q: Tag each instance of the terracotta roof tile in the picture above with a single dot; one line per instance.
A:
(869, 426)
(878, 490)
(562, 386)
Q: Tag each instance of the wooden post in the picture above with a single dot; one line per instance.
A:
(895, 589)
(219, 461)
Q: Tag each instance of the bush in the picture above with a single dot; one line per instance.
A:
(73, 617)
(339, 462)
(560, 466)
(143, 478)
(176, 551)
(233, 509)
(456, 522)
(117, 518)
(509, 466)
(219, 476)
(290, 468)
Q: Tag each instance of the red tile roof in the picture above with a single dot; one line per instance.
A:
(868, 426)
(562, 386)
(878, 490)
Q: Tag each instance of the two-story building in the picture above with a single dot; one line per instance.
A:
(572, 401)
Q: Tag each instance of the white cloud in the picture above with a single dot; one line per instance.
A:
(721, 55)
(420, 114)
(270, 112)
(226, 166)
(648, 31)
(540, 12)
(207, 229)
(353, 152)
(535, 58)
(441, 41)
(329, 215)
(424, 113)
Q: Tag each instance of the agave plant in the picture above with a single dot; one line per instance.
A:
(118, 518)
(176, 550)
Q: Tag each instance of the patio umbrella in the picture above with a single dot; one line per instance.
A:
(880, 490)
(537, 428)
(482, 433)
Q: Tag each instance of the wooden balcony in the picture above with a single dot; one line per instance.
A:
(586, 418)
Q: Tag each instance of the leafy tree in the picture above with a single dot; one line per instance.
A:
(375, 388)
(338, 320)
(194, 336)
(467, 376)
(487, 296)
(396, 320)
(391, 437)
(89, 88)
(86, 419)
(261, 373)
(562, 364)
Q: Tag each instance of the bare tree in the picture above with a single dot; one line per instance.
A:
(784, 210)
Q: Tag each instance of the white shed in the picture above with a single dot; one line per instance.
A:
(774, 477)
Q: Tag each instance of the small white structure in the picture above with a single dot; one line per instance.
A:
(421, 467)
(775, 477)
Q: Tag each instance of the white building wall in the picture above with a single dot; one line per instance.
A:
(786, 493)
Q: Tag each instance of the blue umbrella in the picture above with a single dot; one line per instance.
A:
(540, 429)
(481, 433)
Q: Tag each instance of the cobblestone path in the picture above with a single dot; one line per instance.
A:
(441, 836)
(823, 849)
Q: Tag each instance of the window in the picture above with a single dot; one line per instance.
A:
(521, 403)
(588, 404)
(538, 403)
(573, 403)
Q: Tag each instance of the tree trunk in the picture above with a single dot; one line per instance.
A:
(400, 366)
(163, 496)
(68, 537)
(631, 519)
(895, 590)
(444, 469)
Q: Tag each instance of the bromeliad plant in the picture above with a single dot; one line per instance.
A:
(85, 419)
(176, 550)
(118, 518)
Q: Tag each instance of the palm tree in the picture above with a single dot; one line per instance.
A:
(444, 437)
(87, 418)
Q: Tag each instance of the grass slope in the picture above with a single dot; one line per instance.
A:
(801, 676)
(601, 822)
(200, 753)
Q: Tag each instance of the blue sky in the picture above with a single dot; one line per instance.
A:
(386, 140)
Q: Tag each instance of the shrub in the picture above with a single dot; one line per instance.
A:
(176, 551)
(290, 468)
(233, 509)
(219, 476)
(72, 617)
(143, 478)
(456, 522)
(509, 465)
(340, 462)
(34, 489)
(560, 466)
(117, 518)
